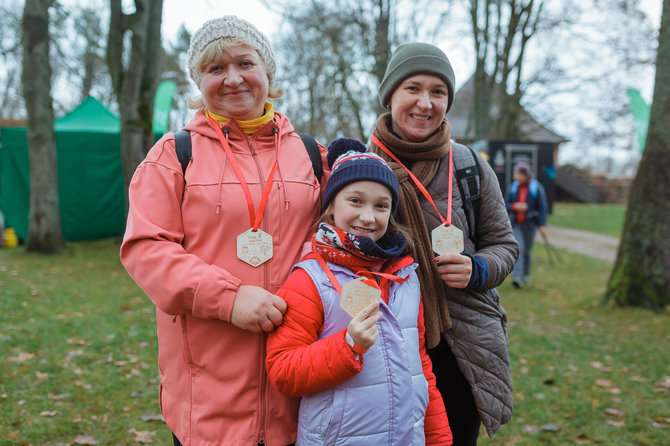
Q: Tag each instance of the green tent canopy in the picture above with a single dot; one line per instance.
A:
(90, 178)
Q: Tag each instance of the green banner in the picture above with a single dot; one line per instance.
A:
(162, 106)
(640, 110)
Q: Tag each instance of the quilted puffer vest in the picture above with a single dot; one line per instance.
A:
(386, 402)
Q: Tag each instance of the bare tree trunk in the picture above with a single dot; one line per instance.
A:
(640, 275)
(501, 30)
(136, 80)
(382, 43)
(44, 225)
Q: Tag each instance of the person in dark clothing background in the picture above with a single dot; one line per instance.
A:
(527, 206)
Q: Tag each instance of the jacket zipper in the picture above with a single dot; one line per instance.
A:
(263, 392)
(254, 155)
(262, 373)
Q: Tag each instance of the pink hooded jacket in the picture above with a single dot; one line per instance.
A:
(180, 248)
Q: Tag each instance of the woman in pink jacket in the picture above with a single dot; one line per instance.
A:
(210, 245)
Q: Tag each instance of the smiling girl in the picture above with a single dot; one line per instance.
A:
(363, 374)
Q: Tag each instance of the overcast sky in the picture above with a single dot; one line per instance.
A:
(194, 13)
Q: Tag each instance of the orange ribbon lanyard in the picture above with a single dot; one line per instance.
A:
(447, 221)
(367, 274)
(254, 218)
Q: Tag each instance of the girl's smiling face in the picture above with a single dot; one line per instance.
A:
(418, 106)
(363, 208)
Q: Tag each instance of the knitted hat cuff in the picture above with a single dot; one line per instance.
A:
(360, 167)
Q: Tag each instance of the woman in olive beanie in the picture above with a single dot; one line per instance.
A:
(464, 320)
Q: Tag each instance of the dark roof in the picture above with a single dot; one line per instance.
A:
(12, 123)
(577, 184)
(459, 114)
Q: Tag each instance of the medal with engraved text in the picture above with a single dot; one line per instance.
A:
(254, 247)
(447, 240)
(357, 294)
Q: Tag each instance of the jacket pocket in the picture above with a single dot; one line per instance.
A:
(160, 396)
(316, 414)
(186, 345)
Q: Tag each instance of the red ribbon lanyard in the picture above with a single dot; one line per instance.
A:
(447, 221)
(368, 280)
(254, 218)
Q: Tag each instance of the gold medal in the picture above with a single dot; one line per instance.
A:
(447, 240)
(356, 295)
(254, 247)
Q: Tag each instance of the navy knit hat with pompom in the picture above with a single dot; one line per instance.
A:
(350, 161)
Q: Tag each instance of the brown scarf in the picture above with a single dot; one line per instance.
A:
(426, 156)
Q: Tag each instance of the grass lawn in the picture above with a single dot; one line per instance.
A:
(78, 344)
(604, 219)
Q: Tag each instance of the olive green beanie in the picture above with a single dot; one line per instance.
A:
(416, 58)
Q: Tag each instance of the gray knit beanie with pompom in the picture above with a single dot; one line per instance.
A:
(229, 26)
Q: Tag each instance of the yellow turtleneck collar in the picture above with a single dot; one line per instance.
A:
(248, 127)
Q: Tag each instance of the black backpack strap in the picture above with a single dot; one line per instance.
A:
(468, 181)
(314, 154)
(182, 145)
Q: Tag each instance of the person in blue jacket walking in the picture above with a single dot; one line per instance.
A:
(527, 206)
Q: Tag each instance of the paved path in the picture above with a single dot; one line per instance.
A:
(582, 242)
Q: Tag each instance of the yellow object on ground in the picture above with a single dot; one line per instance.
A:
(10, 239)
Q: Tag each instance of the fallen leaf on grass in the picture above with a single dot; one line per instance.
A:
(615, 423)
(582, 323)
(20, 370)
(74, 353)
(530, 429)
(142, 436)
(663, 385)
(153, 417)
(607, 385)
(48, 413)
(41, 375)
(83, 385)
(84, 439)
(614, 412)
(661, 419)
(132, 373)
(21, 357)
(551, 428)
(600, 366)
(639, 379)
